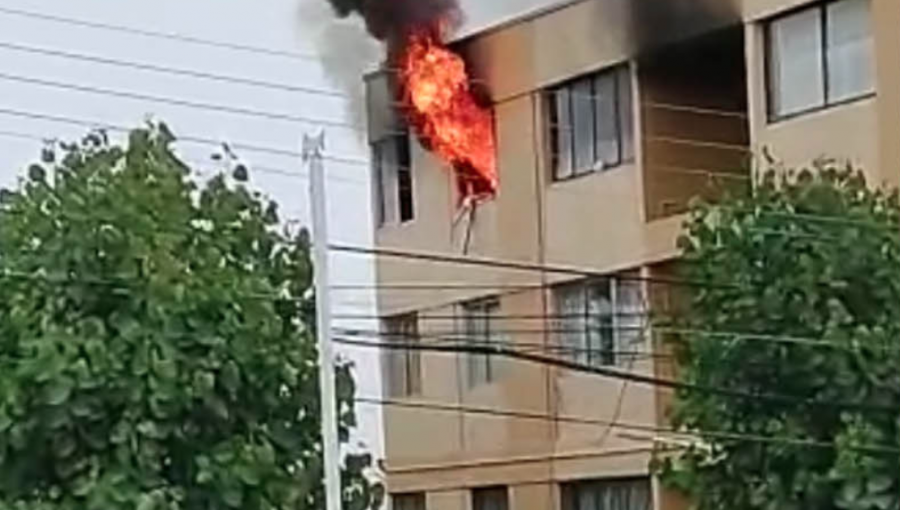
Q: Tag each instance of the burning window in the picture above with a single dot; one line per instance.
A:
(590, 123)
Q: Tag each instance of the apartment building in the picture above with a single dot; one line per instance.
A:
(610, 115)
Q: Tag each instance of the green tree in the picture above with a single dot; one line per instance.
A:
(156, 346)
(811, 255)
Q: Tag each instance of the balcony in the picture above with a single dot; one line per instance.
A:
(695, 131)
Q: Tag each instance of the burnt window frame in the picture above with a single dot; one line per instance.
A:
(772, 116)
(621, 73)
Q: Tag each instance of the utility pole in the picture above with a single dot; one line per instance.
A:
(312, 155)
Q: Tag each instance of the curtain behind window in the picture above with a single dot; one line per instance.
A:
(849, 50)
(795, 60)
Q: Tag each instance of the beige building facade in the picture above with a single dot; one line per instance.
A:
(610, 116)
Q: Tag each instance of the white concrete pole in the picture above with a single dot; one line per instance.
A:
(312, 155)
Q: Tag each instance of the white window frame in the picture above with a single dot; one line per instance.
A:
(581, 333)
(394, 191)
(827, 99)
(579, 99)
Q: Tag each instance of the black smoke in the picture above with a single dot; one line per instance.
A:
(391, 20)
(655, 23)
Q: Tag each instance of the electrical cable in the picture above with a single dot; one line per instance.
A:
(161, 69)
(611, 373)
(238, 145)
(157, 34)
(173, 101)
(512, 265)
(197, 165)
(704, 434)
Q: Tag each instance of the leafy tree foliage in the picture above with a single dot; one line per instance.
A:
(156, 350)
(809, 255)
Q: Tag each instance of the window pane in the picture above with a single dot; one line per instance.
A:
(411, 501)
(494, 498)
(600, 324)
(607, 495)
(562, 127)
(405, 194)
(378, 185)
(583, 125)
(571, 310)
(607, 139)
(795, 68)
(849, 50)
(404, 366)
(629, 314)
(626, 114)
(388, 171)
(413, 357)
(478, 324)
(405, 190)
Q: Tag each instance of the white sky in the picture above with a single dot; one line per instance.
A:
(271, 24)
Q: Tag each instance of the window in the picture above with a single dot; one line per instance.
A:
(480, 323)
(590, 123)
(391, 164)
(819, 56)
(490, 498)
(404, 366)
(630, 494)
(408, 501)
(600, 320)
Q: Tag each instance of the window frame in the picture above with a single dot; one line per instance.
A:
(409, 382)
(486, 309)
(620, 73)
(481, 494)
(614, 286)
(570, 490)
(400, 143)
(821, 7)
(418, 500)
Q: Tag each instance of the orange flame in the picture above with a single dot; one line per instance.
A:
(444, 111)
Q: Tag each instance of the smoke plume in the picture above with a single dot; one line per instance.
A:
(345, 49)
(391, 20)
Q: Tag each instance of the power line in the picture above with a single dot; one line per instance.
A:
(656, 330)
(466, 340)
(172, 36)
(197, 165)
(611, 373)
(142, 66)
(703, 434)
(239, 145)
(172, 101)
(513, 265)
